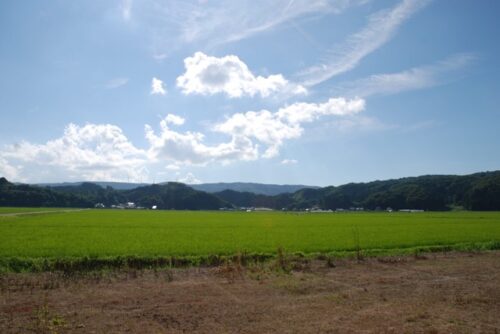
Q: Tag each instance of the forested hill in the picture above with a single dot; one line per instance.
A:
(256, 188)
(174, 195)
(114, 185)
(171, 195)
(248, 187)
(33, 196)
(480, 191)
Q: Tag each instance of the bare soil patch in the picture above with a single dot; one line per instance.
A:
(442, 293)
(28, 213)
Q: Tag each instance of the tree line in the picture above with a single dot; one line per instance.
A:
(480, 191)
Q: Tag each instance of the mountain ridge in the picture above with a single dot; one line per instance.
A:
(254, 187)
(479, 191)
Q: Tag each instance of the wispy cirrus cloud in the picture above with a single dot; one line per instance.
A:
(206, 24)
(344, 57)
(289, 162)
(415, 78)
(229, 21)
(116, 83)
(358, 124)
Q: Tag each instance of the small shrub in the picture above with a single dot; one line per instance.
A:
(282, 262)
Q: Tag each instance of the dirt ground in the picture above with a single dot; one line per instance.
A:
(443, 293)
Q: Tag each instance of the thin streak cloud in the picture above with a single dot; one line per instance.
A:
(116, 83)
(415, 78)
(381, 27)
(208, 24)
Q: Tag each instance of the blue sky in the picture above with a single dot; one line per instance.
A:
(308, 91)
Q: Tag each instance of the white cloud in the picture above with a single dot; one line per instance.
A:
(307, 112)
(103, 152)
(267, 128)
(189, 147)
(208, 75)
(172, 167)
(358, 124)
(289, 162)
(272, 129)
(159, 56)
(380, 29)
(263, 126)
(174, 119)
(126, 9)
(90, 152)
(157, 87)
(116, 83)
(8, 171)
(412, 79)
(189, 178)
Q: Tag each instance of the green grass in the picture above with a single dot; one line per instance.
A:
(123, 233)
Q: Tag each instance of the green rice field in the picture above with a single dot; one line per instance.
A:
(108, 233)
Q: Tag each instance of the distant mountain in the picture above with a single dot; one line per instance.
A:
(173, 195)
(480, 191)
(170, 195)
(256, 188)
(23, 195)
(247, 199)
(114, 185)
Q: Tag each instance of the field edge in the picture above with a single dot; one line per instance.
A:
(95, 263)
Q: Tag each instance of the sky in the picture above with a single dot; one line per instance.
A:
(316, 92)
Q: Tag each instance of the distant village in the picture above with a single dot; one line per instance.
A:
(128, 205)
(316, 209)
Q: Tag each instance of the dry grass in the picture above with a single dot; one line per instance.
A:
(421, 293)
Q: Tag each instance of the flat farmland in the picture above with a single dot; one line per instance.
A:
(108, 233)
(50, 277)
